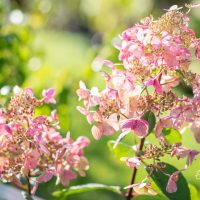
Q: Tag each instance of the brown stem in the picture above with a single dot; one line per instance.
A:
(19, 187)
(129, 196)
(28, 185)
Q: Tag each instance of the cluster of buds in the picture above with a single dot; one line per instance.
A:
(155, 58)
(31, 146)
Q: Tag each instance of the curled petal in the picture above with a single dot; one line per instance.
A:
(139, 126)
(96, 132)
(48, 96)
(191, 156)
(29, 91)
(65, 176)
(172, 182)
(83, 92)
(109, 64)
(82, 142)
(155, 83)
(132, 162)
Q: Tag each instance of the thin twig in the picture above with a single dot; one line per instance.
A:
(28, 185)
(129, 196)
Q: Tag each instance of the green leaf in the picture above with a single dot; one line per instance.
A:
(183, 90)
(193, 192)
(161, 180)
(150, 117)
(120, 137)
(150, 197)
(26, 196)
(171, 135)
(121, 150)
(86, 188)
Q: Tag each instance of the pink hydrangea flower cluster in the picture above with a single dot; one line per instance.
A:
(32, 147)
(155, 58)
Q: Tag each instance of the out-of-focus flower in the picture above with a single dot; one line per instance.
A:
(132, 162)
(31, 145)
(48, 96)
(142, 188)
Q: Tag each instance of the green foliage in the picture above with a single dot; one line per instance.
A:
(15, 53)
(26, 196)
(183, 90)
(120, 137)
(86, 188)
(150, 197)
(63, 56)
(121, 150)
(193, 192)
(150, 117)
(171, 135)
(161, 181)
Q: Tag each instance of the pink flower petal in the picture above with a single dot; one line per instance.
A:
(139, 126)
(96, 132)
(171, 185)
(48, 96)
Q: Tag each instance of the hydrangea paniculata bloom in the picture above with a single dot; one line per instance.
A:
(32, 147)
(154, 54)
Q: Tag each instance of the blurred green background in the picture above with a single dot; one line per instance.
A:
(55, 43)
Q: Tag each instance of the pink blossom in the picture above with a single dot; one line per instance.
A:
(191, 156)
(43, 178)
(48, 96)
(31, 159)
(165, 122)
(155, 83)
(156, 42)
(31, 144)
(185, 112)
(170, 60)
(184, 54)
(122, 80)
(197, 52)
(64, 176)
(182, 152)
(134, 162)
(29, 91)
(83, 92)
(96, 132)
(168, 82)
(53, 135)
(142, 188)
(172, 182)
(82, 166)
(109, 64)
(14, 148)
(197, 48)
(82, 142)
(2, 116)
(139, 126)
(87, 113)
(130, 51)
(102, 129)
(196, 130)
(3, 163)
(54, 116)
